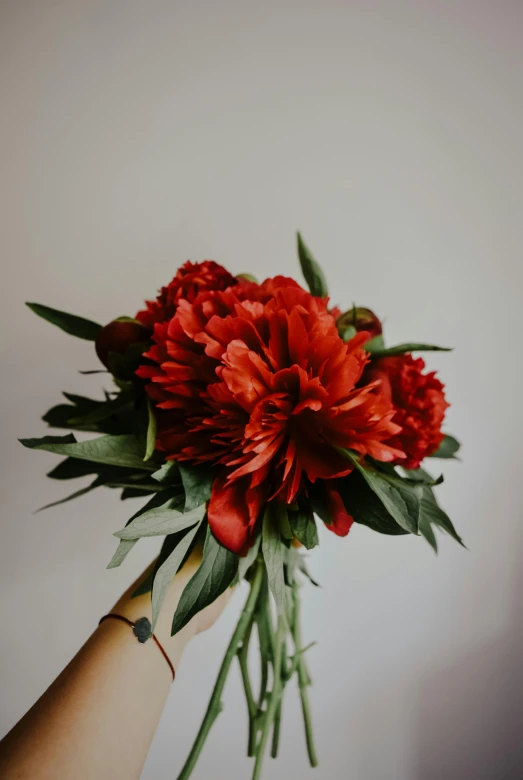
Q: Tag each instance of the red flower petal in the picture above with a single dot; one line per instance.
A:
(233, 511)
(341, 520)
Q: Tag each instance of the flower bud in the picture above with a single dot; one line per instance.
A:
(117, 336)
(360, 319)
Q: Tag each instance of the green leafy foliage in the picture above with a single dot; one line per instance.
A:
(70, 323)
(126, 450)
(311, 270)
(448, 448)
(197, 483)
(159, 522)
(426, 531)
(214, 575)
(365, 506)
(304, 528)
(124, 413)
(80, 408)
(167, 570)
(432, 514)
(124, 402)
(402, 349)
(164, 498)
(274, 556)
(400, 499)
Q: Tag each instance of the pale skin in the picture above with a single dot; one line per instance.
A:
(99, 717)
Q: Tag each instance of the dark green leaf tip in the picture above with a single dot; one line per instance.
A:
(70, 323)
(311, 270)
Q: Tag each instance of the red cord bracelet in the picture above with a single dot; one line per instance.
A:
(142, 631)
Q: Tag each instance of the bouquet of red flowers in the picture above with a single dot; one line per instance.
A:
(248, 413)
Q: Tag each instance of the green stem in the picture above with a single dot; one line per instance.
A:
(243, 658)
(214, 706)
(274, 700)
(277, 717)
(303, 679)
(265, 635)
(296, 660)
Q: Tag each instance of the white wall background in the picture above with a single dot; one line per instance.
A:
(135, 135)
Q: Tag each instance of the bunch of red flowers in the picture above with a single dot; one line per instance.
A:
(256, 380)
(244, 412)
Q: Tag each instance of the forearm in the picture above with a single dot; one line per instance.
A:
(99, 716)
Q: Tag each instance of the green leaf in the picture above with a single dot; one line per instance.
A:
(75, 326)
(426, 531)
(124, 548)
(168, 473)
(402, 349)
(281, 515)
(197, 482)
(311, 270)
(419, 475)
(163, 576)
(97, 483)
(159, 522)
(113, 476)
(365, 507)
(214, 575)
(126, 450)
(151, 432)
(72, 468)
(124, 402)
(87, 414)
(245, 563)
(401, 501)
(432, 514)
(274, 556)
(166, 499)
(448, 448)
(304, 528)
(131, 492)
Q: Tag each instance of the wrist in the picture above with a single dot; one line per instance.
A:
(140, 606)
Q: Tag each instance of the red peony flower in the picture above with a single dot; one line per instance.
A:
(420, 405)
(190, 279)
(256, 380)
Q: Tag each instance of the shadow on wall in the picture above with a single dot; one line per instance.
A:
(470, 721)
